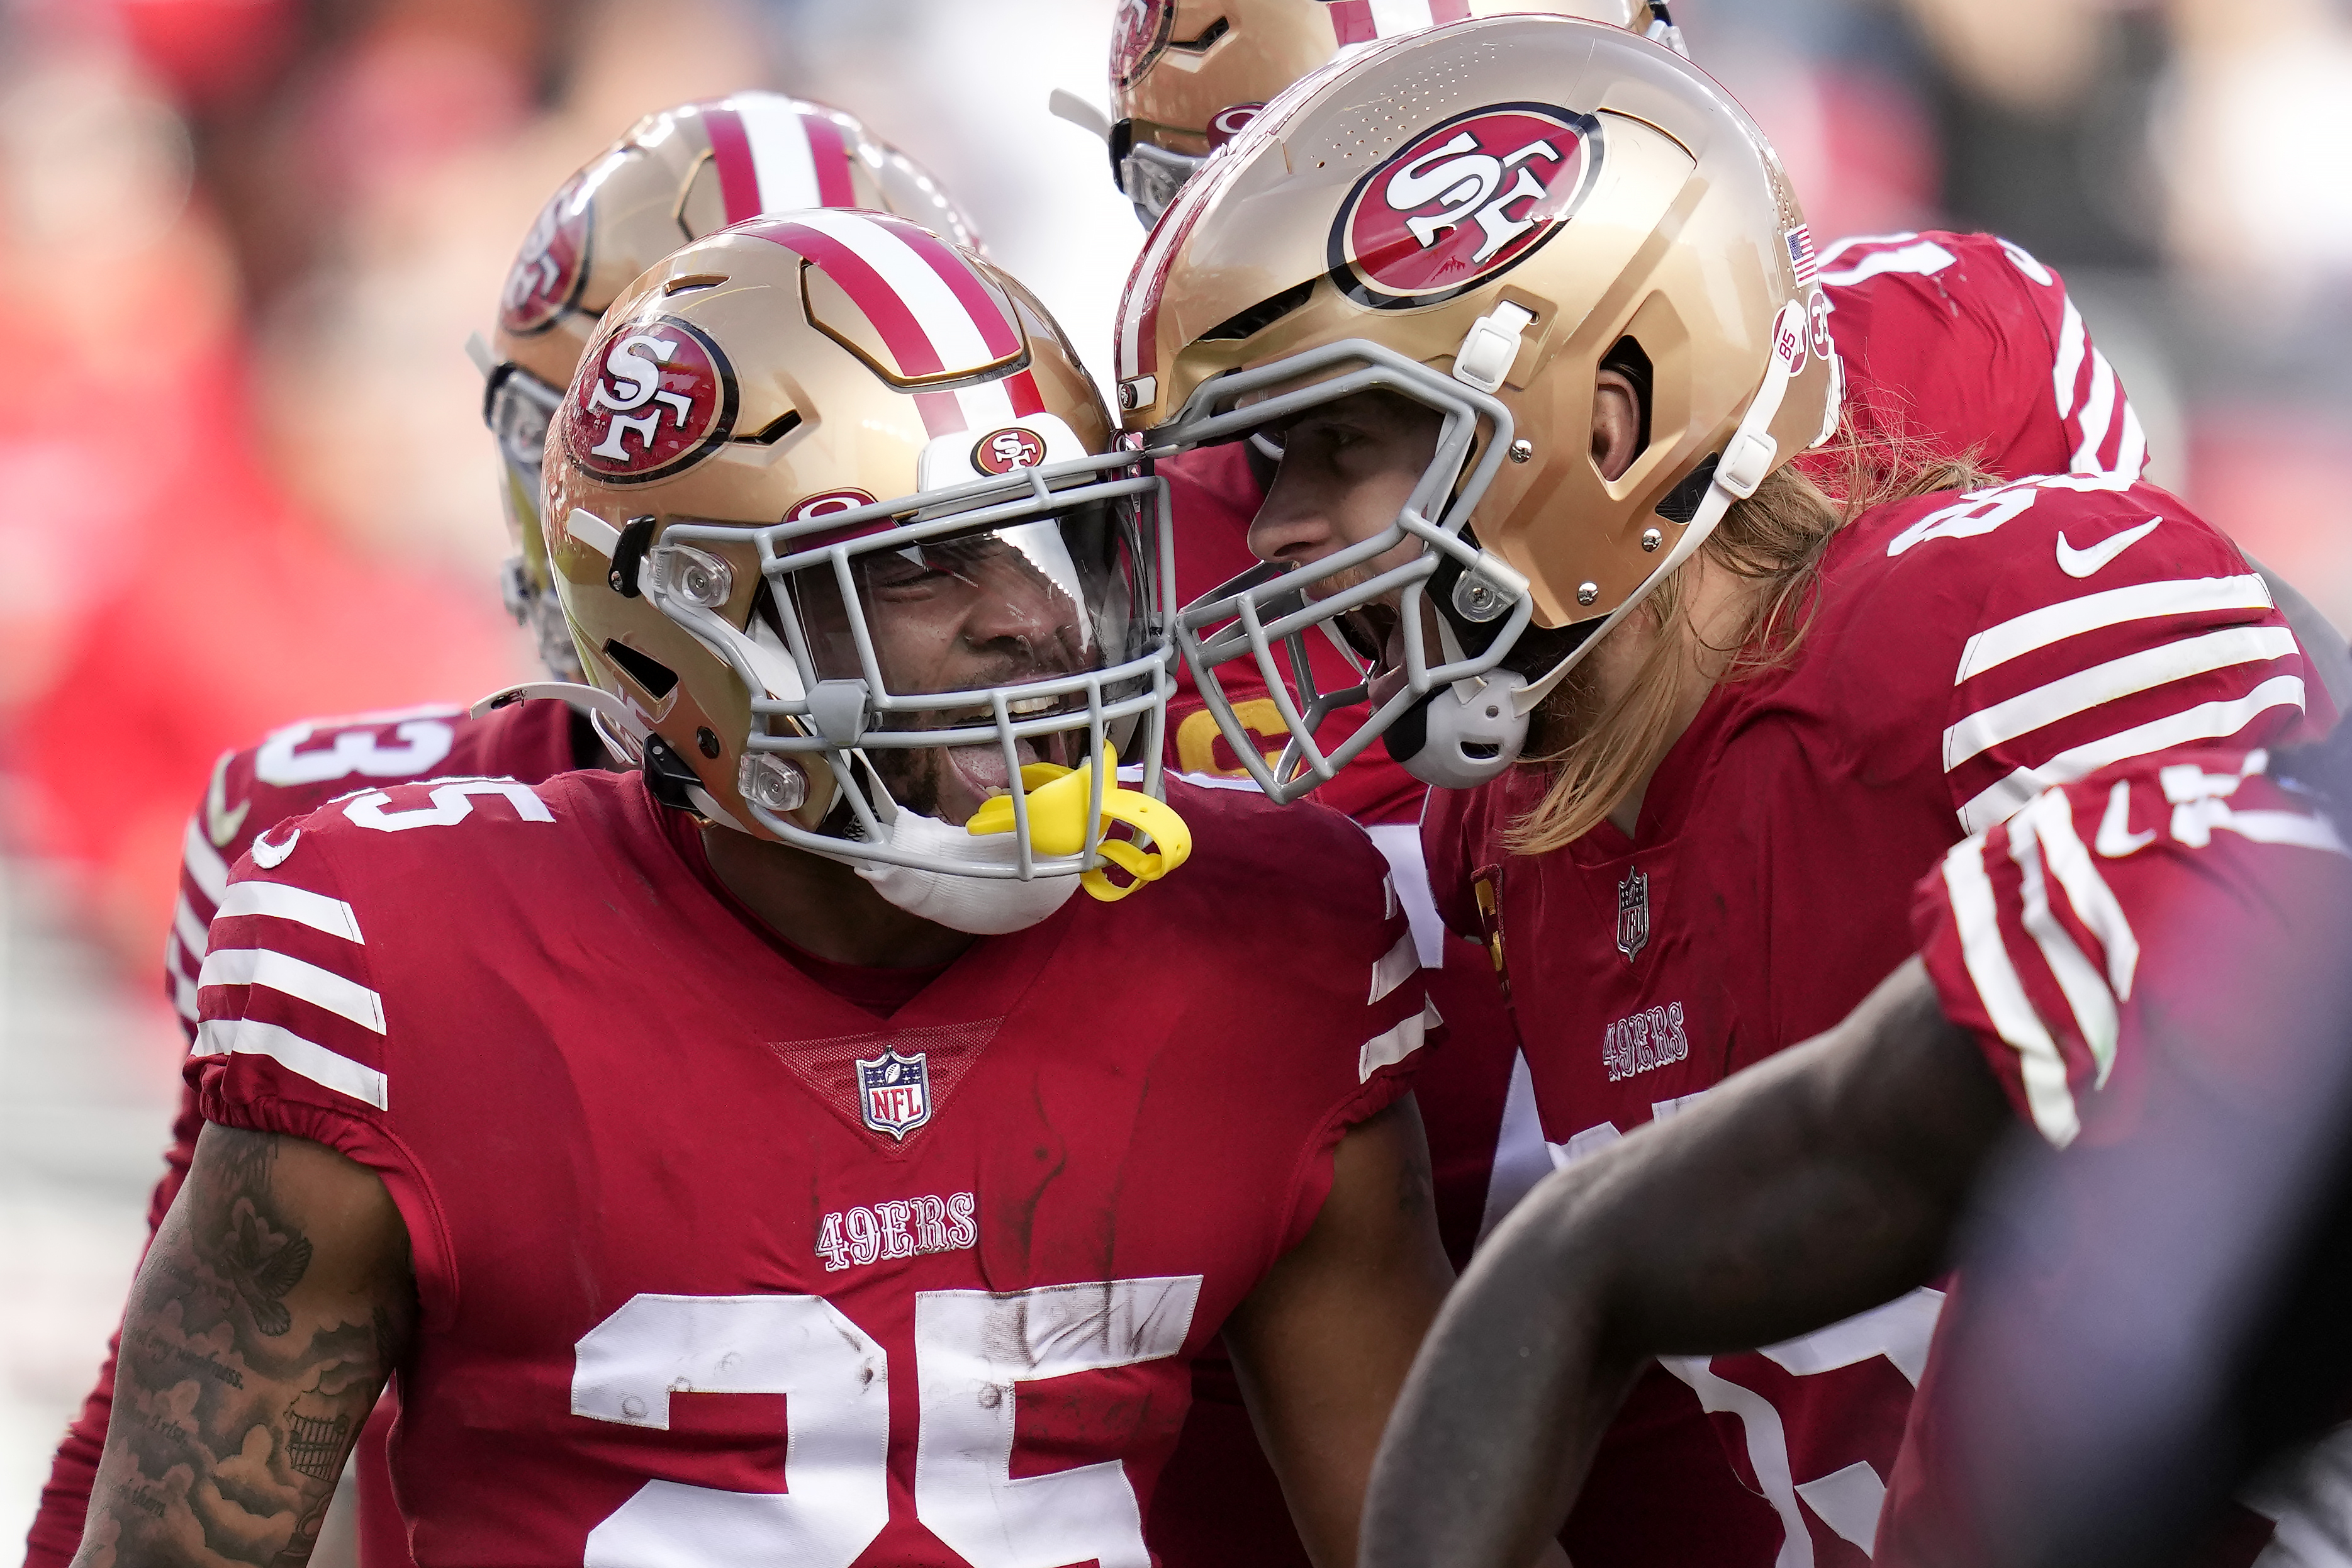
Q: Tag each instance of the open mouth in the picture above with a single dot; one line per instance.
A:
(982, 770)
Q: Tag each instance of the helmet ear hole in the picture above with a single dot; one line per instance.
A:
(1627, 359)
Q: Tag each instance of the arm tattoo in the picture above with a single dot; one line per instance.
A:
(238, 1394)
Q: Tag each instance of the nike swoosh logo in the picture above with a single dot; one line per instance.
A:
(2116, 837)
(220, 822)
(268, 856)
(2082, 562)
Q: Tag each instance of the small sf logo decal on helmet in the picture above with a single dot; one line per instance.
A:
(1001, 451)
(554, 263)
(1632, 914)
(1461, 202)
(894, 1091)
(651, 397)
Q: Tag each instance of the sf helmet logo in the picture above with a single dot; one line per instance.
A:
(650, 398)
(547, 275)
(1001, 451)
(1461, 202)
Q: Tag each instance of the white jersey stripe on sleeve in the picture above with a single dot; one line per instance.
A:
(1396, 967)
(1997, 644)
(2073, 340)
(2098, 409)
(205, 867)
(292, 977)
(188, 931)
(2095, 903)
(2102, 683)
(220, 1037)
(280, 901)
(2205, 722)
(2003, 994)
(1396, 1044)
(1924, 260)
(782, 159)
(2087, 996)
(2131, 450)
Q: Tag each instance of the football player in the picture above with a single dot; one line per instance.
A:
(675, 175)
(1950, 344)
(1527, 351)
(761, 1154)
(2152, 951)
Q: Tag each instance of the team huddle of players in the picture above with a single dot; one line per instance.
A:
(866, 1062)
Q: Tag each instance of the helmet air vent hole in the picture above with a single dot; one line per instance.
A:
(775, 429)
(1206, 41)
(1259, 317)
(707, 744)
(694, 281)
(657, 678)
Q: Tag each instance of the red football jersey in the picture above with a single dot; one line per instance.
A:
(1958, 343)
(2127, 925)
(291, 773)
(1962, 653)
(646, 1162)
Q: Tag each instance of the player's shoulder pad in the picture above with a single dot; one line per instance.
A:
(452, 823)
(299, 767)
(2076, 532)
(1260, 863)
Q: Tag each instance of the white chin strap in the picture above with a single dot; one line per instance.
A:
(1746, 458)
(985, 906)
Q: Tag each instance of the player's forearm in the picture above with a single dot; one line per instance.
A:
(1500, 1416)
(1806, 1190)
(270, 1310)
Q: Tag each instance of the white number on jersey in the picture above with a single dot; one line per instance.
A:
(973, 1351)
(452, 803)
(425, 740)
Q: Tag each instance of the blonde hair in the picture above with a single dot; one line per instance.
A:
(1773, 543)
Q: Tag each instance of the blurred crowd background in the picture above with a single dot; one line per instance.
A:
(244, 480)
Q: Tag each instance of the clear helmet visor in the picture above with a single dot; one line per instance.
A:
(518, 406)
(942, 631)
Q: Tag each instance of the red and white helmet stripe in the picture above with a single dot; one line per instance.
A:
(777, 155)
(1364, 21)
(932, 311)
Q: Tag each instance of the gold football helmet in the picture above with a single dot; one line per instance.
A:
(676, 176)
(1187, 75)
(1476, 218)
(834, 514)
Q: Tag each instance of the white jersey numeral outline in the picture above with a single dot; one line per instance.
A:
(973, 1351)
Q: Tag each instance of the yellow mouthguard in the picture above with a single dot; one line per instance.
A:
(1057, 823)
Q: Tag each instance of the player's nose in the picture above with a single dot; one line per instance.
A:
(1296, 523)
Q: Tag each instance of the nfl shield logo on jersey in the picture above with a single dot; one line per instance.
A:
(1632, 914)
(894, 1092)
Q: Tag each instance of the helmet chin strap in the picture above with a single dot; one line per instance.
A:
(1747, 459)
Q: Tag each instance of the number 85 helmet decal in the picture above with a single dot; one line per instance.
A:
(834, 516)
(1476, 218)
